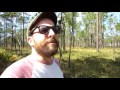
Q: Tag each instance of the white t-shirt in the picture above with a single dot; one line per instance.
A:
(29, 67)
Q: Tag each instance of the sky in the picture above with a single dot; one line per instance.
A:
(32, 14)
(117, 14)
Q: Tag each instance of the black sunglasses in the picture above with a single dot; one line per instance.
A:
(45, 29)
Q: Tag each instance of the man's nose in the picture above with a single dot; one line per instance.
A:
(51, 32)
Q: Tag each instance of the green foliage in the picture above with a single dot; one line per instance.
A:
(118, 27)
(86, 63)
(6, 58)
(92, 67)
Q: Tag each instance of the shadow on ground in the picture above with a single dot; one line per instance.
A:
(91, 67)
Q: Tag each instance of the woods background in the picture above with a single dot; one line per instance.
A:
(89, 42)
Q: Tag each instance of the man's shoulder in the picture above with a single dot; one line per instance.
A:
(23, 61)
(56, 61)
(17, 68)
(20, 61)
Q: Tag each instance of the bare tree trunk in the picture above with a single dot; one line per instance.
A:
(12, 37)
(73, 38)
(15, 40)
(70, 52)
(97, 33)
(64, 37)
(6, 36)
(60, 46)
(19, 44)
(103, 39)
(12, 41)
(102, 31)
(23, 31)
(0, 39)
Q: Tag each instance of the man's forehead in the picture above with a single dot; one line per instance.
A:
(45, 21)
(46, 24)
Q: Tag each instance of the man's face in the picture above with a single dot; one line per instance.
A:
(45, 44)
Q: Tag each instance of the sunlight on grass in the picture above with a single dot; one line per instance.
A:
(81, 53)
(84, 62)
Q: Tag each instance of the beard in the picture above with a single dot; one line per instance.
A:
(47, 48)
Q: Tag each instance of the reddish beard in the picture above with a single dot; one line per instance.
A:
(44, 49)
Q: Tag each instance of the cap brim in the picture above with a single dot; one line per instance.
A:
(40, 16)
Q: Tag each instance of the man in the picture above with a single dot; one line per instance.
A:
(42, 37)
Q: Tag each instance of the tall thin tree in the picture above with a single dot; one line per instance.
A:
(97, 33)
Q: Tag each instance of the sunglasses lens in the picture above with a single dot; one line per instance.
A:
(56, 29)
(43, 29)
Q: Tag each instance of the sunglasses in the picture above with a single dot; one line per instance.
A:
(45, 29)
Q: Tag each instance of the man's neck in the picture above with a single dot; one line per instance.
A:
(41, 58)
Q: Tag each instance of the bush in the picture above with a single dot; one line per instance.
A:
(6, 58)
(92, 67)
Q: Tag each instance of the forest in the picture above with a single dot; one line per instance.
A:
(89, 42)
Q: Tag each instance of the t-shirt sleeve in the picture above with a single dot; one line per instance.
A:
(20, 69)
(12, 72)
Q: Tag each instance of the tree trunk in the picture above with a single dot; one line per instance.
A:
(60, 46)
(6, 36)
(23, 31)
(97, 33)
(0, 40)
(64, 36)
(69, 62)
(12, 41)
(12, 37)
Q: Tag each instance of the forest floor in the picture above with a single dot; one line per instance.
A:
(83, 62)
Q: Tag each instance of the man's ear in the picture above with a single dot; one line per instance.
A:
(30, 41)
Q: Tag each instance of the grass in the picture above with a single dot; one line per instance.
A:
(87, 63)
(84, 63)
(81, 53)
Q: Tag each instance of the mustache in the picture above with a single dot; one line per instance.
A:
(52, 40)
